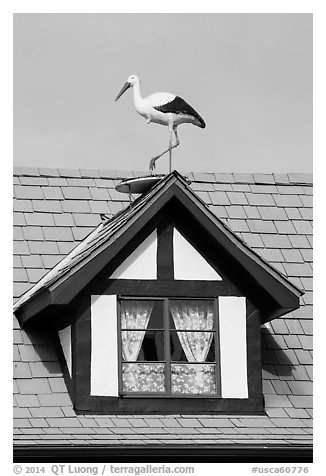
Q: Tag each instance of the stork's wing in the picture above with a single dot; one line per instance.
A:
(180, 106)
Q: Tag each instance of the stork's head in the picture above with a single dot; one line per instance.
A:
(131, 81)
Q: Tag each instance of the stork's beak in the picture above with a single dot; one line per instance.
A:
(124, 89)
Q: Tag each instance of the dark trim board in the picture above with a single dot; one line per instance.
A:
(165, 267)
(161, 288)
(167, 453)
(82, 348)
(168, 406)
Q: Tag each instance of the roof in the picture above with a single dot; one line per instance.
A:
(56, 209)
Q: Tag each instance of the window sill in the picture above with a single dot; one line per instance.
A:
(168, 405)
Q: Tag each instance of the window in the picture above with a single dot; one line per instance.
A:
(168, 347)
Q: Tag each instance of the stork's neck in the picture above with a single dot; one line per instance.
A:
(137, 96)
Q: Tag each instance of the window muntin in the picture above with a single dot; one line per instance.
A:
(168, 346)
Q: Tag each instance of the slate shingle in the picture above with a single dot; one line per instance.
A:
(303, 227)
(43, 247)
(298, 269)
(306, 341)
(81, 232)
(101, 194)
(284, 227)
(238, 225)
(242, 177)
(223, 187)
(76, 193)
(76, 206)
(33, 180)
(276, 241)
(292, 256)
(35, 386)
(301, 388)
(47, 206)
(28, 192)
(58, 233)
(307, 200)
(217, 198)
(240, 187)
(237, 198)
(33, 233)
(20, 288)
(50, 261)
(299, 241)
(57, 181)
(224, 178)
(302, 178)
(51, 369)
(35, 274)
(303, 356)
(39, 219)
(252, 212)
(272, 213)
(259, 226)
(307, 255)
(287, 200)
(19, 219)
(99, 207)
(18, 233)
(301, 401)
(23, 206)
(86, 220)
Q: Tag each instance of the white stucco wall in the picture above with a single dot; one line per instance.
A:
(104, 346)
(233, 346)
(188, 263)
(65, 341)
(141, 263)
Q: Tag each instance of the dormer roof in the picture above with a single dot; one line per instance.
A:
(61, 284)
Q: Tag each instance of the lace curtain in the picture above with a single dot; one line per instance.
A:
(193, 315)
(134, 315)
(197, 315)
(138, 377)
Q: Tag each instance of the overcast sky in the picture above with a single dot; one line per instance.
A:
(248, 75)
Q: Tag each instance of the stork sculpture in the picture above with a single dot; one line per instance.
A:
(162, 108)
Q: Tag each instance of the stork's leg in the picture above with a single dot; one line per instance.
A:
(154, 159)
(170, 150)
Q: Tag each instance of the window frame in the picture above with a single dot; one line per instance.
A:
(86, 403)
(167, 362)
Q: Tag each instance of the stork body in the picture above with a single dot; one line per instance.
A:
(162, 108)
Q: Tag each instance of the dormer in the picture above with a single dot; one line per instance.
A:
(160, 310)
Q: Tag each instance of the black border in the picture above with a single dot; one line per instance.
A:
(171, 454)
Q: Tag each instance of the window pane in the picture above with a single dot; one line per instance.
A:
(145, 378)
(156, 318)
(152, 348)
(191, 314)
(193, 378)
(142, 346)
(192, 346)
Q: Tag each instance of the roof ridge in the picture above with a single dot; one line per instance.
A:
(257, 178)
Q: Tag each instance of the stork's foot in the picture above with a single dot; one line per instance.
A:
(152, 163)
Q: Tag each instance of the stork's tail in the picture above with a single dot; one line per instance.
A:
(201, 122)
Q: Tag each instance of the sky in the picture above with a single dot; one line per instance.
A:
(248, 75)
